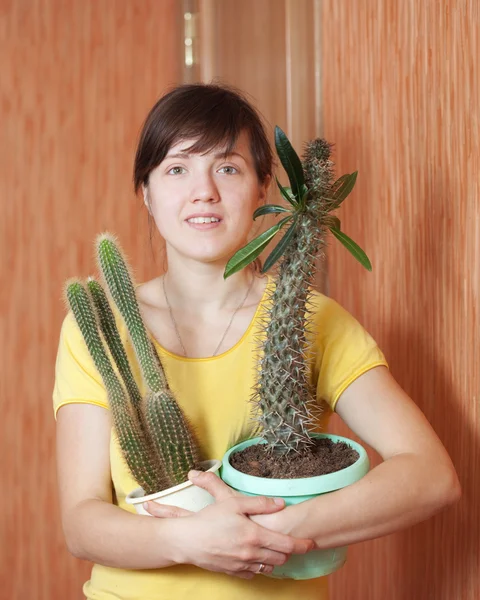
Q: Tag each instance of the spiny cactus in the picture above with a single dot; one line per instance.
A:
(282, 394)
(156, 439)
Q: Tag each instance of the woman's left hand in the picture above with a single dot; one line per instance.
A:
(219, 490)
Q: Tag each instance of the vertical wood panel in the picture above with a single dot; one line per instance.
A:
(77, 80)
(401, 102)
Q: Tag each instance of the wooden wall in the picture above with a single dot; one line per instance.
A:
(77, 80)
(401, 102)
(392, 84)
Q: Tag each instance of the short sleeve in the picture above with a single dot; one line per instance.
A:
(76, 377)
(343, 351)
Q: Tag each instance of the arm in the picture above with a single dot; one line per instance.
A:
(416, 479)
(91, 523)
(219, 538)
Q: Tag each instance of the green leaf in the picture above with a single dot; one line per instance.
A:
(353, 248)
(280, 247)
(339, 182)
(249, 253)
(284, 191)
(269, 209)
(290, 161)
(347, 183)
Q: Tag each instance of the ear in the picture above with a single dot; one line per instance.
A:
(264, 187)
(146, 198)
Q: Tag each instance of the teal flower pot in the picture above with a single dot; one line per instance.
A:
(316, 563)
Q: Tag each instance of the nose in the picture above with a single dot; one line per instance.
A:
(205, 189)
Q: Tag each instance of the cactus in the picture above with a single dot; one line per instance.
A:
(155, 438)
(282, 395)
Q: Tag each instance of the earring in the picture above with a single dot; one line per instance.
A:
(146, 199)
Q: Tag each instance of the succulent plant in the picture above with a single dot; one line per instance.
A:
(282, 395)
(155, 438)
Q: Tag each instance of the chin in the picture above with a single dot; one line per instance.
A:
(216, 254)
(219, 259)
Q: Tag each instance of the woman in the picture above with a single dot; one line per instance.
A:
(203, 165)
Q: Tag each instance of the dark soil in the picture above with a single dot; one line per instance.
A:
(323, 457)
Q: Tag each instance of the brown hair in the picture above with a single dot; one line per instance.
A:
(214, 115)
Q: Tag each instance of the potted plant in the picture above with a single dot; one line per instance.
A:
(155, 438)
(288, 460)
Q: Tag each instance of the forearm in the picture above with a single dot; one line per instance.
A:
(106, 534)
(396, 494)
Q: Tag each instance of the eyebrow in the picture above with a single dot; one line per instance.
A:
(217, 155)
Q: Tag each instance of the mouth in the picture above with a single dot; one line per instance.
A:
(204, 223)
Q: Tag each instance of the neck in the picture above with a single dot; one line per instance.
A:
(200, 288)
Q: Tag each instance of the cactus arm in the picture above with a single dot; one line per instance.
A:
(110, 333)
(173, 438)
(119, 281)
(170, 433)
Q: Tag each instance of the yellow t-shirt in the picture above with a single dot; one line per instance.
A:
(213, 393)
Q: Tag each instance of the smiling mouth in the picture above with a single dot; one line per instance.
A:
(201, 220)
(204, 224)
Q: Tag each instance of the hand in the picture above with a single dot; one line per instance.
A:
(222, 538)
(215, 487)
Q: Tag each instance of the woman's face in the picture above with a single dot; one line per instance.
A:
(186, 189)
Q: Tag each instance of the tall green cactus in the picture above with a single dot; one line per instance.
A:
(156, 439)
(282, 392)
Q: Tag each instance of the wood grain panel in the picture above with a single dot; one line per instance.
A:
(401, 102)
(77, 80)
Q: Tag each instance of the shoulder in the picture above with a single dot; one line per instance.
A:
(334, 330)
(325, 312)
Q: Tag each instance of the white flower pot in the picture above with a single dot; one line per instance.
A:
(185, 495)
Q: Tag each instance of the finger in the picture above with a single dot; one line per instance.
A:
(165, 511)
(285, 544)
(255, 569)
(241, 574)
(258, 505)
(270, 557)
(213, 485)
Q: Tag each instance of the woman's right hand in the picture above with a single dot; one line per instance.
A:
(222, 538)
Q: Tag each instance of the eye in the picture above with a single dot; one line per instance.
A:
(229, 167)
(173, 169)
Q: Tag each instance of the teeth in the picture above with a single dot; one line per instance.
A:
(203, 220)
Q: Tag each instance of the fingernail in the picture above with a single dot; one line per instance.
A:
(145, 505)
(194, 474)
(278, 501)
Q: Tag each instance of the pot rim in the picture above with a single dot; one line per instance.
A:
(299, 486)
(137, 496)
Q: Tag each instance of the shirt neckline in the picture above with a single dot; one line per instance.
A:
(178, 357)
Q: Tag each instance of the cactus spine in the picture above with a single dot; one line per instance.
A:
(155, 438)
